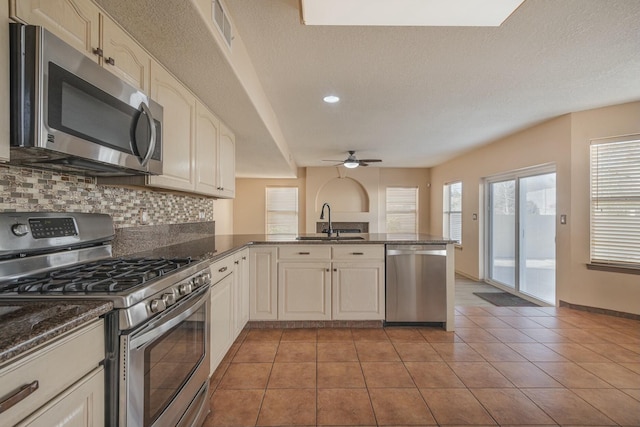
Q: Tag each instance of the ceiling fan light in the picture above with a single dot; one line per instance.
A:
(350, 164)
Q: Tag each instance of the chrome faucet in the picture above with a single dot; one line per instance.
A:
(330, 229)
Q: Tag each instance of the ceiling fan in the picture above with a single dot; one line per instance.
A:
(352, 162)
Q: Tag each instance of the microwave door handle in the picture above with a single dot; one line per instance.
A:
(152, 141)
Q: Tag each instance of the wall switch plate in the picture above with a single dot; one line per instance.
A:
(474, 217)
(563, 219)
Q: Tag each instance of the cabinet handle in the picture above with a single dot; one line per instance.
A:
(244, 258)
(304, 253)
(18, 396)
(335, 269)
(357, 253)
(328, 269)
(110, 61)
(236, 262)
(98, 51)
(222, 270)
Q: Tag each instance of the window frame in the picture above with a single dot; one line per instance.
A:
(447, 212)
(390, 213)
(268, 211)
(612, 189)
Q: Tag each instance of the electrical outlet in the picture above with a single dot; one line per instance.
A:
(201, 215)
(143, 216)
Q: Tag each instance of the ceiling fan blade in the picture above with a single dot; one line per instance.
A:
(370, 160)
(325, 160)
(361, 163)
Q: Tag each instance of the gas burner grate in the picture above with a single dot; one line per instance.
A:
(105, 276)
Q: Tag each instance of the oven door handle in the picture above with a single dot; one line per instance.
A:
(161, 325)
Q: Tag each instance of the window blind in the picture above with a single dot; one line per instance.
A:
(452, 211)
(615, 201)
(282, 210)
(402, 209)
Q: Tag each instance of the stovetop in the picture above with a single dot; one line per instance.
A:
(108, 276)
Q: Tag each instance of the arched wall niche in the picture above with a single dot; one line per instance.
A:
(344, 194)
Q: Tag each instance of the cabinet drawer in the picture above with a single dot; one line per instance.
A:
(221, 268)
(355, 252)
(55, 367)
(305, 252)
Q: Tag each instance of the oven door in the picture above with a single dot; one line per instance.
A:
(164, 366)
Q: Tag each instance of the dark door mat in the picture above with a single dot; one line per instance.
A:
(505, 299)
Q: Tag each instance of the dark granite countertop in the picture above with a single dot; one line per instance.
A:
(216, 247)
(27, 324)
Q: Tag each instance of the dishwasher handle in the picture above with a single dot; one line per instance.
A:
(416, 250)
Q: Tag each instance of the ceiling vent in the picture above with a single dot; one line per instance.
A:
(222, 22)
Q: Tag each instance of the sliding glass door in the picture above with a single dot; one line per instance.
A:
(502, 232)
(521, 233)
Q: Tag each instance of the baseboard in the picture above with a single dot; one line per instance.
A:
(599, 310)
(468, 276)
(294, 324)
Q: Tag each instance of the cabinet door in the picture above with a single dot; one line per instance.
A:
(226, 163)
(263, 282)
(74, 21)
(207, 130)
(358, 290)
(241, 274)
(178, 131)
(221, 318)
(130, 62)
(82, 405)
(304, 291)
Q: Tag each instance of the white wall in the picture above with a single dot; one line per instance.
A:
(564, 142)
(615, 291)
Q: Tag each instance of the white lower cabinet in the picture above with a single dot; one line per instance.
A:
(229, 303)
(317, 282)
(82, 405)
(221, 320)
(304, 291)
(358, 291)
(66, 380)
(241, 290)
(263, 282)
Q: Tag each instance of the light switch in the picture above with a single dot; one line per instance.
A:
(563, 219)
(474, 217)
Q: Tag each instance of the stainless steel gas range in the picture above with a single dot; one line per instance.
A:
(157, 361)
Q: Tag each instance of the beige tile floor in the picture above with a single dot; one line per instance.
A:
(503, 366)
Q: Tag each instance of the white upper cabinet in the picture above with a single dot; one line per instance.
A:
(81, 24)
(207, 134)
(124, 57)
(178, 155)
(226, 164)
(77, 22)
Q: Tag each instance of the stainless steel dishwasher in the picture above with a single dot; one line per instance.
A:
(416, 290)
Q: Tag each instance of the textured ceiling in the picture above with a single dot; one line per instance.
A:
(412, 96)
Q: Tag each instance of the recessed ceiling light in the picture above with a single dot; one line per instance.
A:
(331, 99)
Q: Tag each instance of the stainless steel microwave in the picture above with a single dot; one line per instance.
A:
(68, 113)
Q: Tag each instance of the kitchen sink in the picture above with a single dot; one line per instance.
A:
(329, 238)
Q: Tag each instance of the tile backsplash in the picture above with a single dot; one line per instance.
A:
(31, 190)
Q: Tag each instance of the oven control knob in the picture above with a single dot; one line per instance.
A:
(198, 281)
(185, 289)
(169, 299)
(157, 305)
(206, 276)
(20, 229)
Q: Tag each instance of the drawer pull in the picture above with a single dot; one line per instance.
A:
(18, 396)
(222, 270)
(357, 253)
(304, 253)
